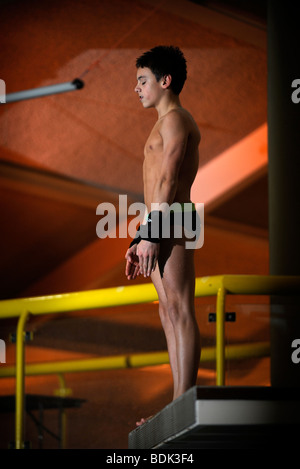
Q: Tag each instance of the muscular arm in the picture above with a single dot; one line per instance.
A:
(174, 140)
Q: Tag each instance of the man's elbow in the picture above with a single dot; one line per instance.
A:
(168, 180)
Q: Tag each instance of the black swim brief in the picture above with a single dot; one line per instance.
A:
(182, 221)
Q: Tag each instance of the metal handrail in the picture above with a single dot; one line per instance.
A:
(219, 285)
(135, 360)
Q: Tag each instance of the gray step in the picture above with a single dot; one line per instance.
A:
(223, 417)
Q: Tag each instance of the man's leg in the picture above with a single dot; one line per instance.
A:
(176, 265)
(174, 281)
(168, 330)
(167, 326)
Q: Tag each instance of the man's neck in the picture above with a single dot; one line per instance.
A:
(167, 104)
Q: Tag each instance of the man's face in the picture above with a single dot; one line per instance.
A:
(148, 88)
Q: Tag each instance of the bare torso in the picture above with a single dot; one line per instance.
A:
(154, 154)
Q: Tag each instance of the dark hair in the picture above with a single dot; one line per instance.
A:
(165, 60)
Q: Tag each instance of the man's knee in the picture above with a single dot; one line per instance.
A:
(163, 312)
(170, 312)
(173, 312)
(179, 313)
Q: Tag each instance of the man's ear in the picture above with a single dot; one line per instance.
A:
(166, 81)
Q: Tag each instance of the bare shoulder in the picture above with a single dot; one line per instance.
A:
(180, 117)
(176, 116)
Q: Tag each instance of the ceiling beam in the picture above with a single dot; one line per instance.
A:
(55, 187)
(218, 20)
(231, 171)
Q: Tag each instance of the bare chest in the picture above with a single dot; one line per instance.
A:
(154, 143)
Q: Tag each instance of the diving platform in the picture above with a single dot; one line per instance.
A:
(223, 417)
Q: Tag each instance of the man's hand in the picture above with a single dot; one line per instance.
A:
(147, 253)
(132, 269)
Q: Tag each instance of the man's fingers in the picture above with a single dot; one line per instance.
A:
(147, 265)
(151, 266)
(128, 269)
(141, 264)
(132, 264)
(147, 254)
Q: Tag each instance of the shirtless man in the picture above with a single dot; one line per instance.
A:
(170, 167)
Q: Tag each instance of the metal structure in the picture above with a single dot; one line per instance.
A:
(42, 91)
(219, 286)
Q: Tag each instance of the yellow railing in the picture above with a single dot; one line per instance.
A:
(218, 286)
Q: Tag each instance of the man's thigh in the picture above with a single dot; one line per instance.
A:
(176, 265)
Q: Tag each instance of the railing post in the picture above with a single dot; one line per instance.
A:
(63, 391)
(20, 380)
(220, 336)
